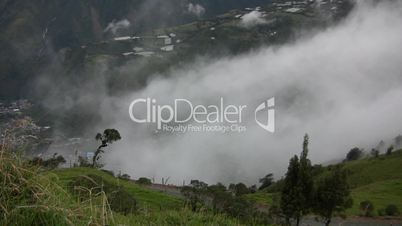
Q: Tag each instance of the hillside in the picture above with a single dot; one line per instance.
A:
(148, 199)
(378, 180)
(36, 36)
(31, 196)
(33, 32)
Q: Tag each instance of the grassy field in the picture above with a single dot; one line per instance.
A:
(378, 180)
(367, 171)
(380, 194)
(31, 196)
(148, 199)
(262, 199)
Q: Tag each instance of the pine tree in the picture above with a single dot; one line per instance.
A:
(305, 179)
(291, 194)
(297, 193)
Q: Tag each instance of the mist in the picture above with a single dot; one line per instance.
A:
(196, 9)
(341, 85)
(252, 18)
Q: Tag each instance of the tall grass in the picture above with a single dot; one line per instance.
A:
(27, 197)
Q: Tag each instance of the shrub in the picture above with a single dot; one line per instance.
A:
(121, 201)
(392, 210)
(241, 208)
(375, 153)
(144, 181)
(389, 150)
(354, 154)
(83, 162)
(51, 163)
(367, 208)
(125, 177)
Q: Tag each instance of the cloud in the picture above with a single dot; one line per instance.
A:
(114, 26)
(343, 86)
(252, 19)
(195, 9)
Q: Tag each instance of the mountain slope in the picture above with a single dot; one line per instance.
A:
(148, 199)
(378, 180)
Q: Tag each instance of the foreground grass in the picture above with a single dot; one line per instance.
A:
(31, 196)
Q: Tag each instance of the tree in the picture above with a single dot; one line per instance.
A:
(332, 195)
(83, 162)
(241, 189)
(108, 137)
(392, 210)
(297, 191)
(367, 208)
(266, 181)
(306, 178)
(398, 141)
(253, 189)
(51, 163)
(144, 181)
(354, 154)
(241, 208)
(291, 194)
(124, 176)
(220, 197)
(194, 194)
(375, 153)
(389, 150)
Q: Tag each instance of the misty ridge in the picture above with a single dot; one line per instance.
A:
(342, 85)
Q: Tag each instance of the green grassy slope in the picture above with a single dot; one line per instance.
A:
(156, 208)
(380, 193)
(148, 199)
(371, 170)
(378, 180)
(262, 199)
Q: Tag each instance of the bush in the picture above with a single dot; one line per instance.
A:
(354, 154)
(121, 201)
(83, 162)
(389, 150)
(367, 208)
(51, 163)
(125, 177)
(241, 208)
(392, 210)
(144, 181)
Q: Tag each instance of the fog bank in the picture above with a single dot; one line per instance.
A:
(342, 86)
